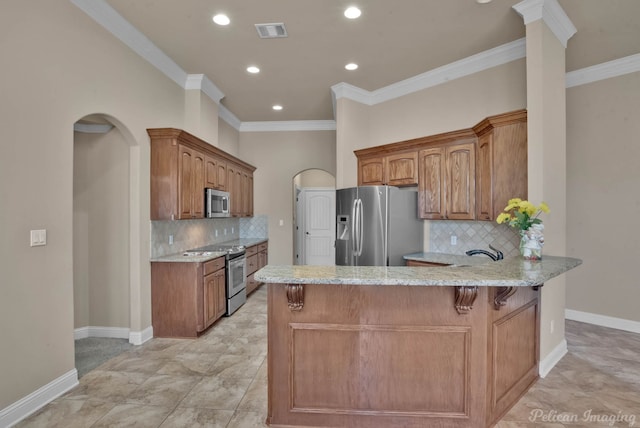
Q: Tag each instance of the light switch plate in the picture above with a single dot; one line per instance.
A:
(38, 237)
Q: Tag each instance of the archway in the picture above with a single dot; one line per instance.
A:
(305, 183)
(103, 242)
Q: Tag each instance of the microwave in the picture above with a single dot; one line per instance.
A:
(216, 203)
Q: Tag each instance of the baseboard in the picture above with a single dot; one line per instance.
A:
(139, 337)
(552, 358)
(91, 331)
(603, 320)
(24, 407)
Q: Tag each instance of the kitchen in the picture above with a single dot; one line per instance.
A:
(122, 90)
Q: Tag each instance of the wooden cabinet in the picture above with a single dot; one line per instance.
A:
(461, 175)
(399, 169)
(182, 166)
(257, 257)
(215, 301)
(501, 164)
(446, 188)
(215, 173)
(186, 298)
(190, 183)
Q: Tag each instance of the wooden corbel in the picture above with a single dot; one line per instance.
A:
(502, 294)
(465, 296)
(295, 296)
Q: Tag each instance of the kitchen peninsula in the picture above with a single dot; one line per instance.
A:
(450, 346)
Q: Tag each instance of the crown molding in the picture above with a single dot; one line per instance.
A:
(111, 20)
(202, 83)
(475, 63)
(482, 61)
(92, 128)
(289, 125)
(226, 115)
(551, 13)
(606, 70)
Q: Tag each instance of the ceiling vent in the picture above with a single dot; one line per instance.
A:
(271, 31)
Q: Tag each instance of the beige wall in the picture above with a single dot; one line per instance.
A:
(314, 178)
(278, 157)
(603, 196)
(101, 230)
(228, 138)
(59, 66)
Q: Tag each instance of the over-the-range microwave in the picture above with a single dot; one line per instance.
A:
(216, 203)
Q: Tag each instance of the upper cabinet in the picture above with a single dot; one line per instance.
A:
(501, 166)
(461, 175)
(397, 169)
(182, 166)
(446, 179)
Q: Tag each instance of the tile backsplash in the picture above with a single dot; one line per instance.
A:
(472, 235)
(190, 234)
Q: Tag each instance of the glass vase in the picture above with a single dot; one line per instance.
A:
(531, 242)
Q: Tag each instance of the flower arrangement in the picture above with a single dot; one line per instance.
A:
(521, 214)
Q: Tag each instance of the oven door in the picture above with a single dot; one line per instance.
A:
(236, 284)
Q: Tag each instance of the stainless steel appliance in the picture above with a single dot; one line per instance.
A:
(377, 225)
(236, 273)
(216, 203)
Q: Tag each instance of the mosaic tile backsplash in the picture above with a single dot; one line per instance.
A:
(472, 235)
(189, 234)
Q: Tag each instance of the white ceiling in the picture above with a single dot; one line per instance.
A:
(393, 40)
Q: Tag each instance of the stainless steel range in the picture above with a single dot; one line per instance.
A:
(236, 278)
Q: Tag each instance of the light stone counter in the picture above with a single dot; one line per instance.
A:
(209, 254)
(511, 272)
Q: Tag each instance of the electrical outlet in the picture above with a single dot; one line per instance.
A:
(225, 230)
(216, 232)
(281, 222)
(170, 239)
(551, 326)
(454, 240)
(232, 229)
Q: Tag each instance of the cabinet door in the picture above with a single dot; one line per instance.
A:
(252, 264)
(197, 195)
(484, 187)
(371, 172)
(431, 197)
(460, 181)
(232, 188)
(262, 259)
(214, 296)
(191, 181)
(402, 169)
(245, 194)
(215, 173)
(185, 182)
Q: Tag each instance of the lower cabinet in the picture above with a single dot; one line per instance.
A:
(186, 297)
(257, 258)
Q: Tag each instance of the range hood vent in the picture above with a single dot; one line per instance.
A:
(271, 31)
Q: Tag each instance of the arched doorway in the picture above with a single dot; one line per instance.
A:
(101, 239)
(314, 217)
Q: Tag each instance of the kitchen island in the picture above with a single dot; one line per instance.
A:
(451, 346)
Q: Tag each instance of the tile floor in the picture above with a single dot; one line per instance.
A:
(220, 380)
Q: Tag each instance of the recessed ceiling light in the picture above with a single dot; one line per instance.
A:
(352, 12)
(277, 107)
(351, 66)
(253, 69)
(483, 1)
(221, 19)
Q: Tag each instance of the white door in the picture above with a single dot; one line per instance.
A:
(319, 226)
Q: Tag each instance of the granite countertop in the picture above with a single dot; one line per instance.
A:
(510, 272)
(208, 254)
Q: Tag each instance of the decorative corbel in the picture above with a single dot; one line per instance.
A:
(465, 296)
(502, 294)
(295, 296)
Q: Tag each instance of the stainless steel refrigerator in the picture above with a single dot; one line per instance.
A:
(376, 226)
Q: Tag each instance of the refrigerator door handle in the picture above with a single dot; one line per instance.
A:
(360, 226)
(353, 227)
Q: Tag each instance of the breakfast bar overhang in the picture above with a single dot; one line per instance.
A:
(367, 347)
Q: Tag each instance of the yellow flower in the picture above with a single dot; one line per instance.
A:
(503, 217)
(522, 214)
(544, 207)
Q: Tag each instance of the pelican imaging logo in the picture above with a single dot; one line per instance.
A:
(587, 417)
